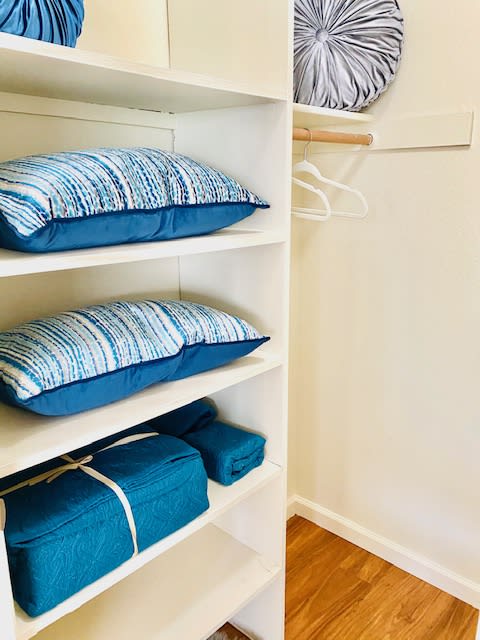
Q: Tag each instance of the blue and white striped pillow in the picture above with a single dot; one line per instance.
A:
(54, 21)
(83, 359)
(113, 196)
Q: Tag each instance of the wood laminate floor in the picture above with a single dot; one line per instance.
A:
(337, 591)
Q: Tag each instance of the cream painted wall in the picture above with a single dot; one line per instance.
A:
(247, 41)
(130, 29)
(385, 401)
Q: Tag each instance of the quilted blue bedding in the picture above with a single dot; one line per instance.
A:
(228, 453)
(63, 535)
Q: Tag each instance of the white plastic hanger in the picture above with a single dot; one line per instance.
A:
(321, 215)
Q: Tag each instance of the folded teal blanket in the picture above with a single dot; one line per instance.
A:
(71, 529)
(228, 453)
(194, 416)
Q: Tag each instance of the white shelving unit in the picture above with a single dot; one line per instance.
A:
(27, 439)
(41, 69)
(308, 117)
(232, 574)
(17, 264)
(229, 563)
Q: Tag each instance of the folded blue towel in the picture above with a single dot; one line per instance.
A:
(190, 418)
(228, 453)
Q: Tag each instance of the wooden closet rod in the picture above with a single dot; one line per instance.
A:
(306, 135)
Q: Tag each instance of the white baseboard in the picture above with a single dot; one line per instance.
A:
(401, 557)
(292, 507)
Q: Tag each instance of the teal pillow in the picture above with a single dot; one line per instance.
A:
(83, 359)
(114, 196)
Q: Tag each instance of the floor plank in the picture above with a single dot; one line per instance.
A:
(337, 591)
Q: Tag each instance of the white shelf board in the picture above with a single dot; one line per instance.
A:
(26, 439)
(308, 117)
(181, 552)
(43, 69)
(14, 263)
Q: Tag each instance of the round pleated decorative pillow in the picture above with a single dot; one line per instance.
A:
(346, 53)
(56, 21)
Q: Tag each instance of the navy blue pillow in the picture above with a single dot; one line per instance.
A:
(57, 21)
(83, 359)
(114, 196)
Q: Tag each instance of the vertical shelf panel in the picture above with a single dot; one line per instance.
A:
(254, 145)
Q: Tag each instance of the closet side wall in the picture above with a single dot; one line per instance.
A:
(137, 31)
(386, 346)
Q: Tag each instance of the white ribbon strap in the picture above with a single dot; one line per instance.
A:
(128, 439)
(3, 515)
(123, 499)
(81, 464)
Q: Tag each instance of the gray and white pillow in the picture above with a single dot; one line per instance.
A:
(347, 52)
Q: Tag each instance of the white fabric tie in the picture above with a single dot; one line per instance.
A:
(3, 515)
(81, 464)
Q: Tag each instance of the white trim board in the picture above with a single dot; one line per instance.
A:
(415, 564)
(52, 107)
(425, 132)
(292, 506)
(431, 131)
